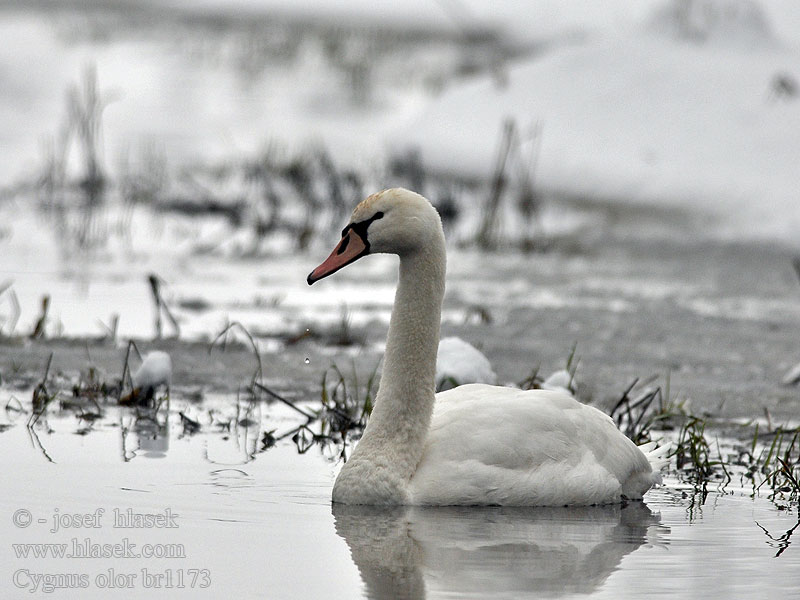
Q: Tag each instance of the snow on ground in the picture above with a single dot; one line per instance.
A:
(459, 362)
(155, 371)
(646, 116)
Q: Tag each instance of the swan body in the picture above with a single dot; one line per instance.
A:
(460, 362)
(475, 444)
(504, 446)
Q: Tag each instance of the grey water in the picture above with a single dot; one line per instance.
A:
(246, 522)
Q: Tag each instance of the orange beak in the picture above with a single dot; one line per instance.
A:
(349, 249)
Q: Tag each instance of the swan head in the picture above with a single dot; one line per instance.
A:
(394, 221)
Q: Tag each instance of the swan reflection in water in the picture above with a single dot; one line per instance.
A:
(410, 552)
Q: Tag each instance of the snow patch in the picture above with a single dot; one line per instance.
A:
(641, 119)
(155, 371)
(459, 362)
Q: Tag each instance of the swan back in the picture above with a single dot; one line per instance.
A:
(497, 445)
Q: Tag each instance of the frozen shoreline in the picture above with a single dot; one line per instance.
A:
(720, 320)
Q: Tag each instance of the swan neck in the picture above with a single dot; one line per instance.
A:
(409, 368)
(398, 427)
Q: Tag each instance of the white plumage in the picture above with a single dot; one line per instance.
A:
(498, 445)
(475, 444)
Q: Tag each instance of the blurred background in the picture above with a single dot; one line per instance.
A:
(208, 151)
(618, 182)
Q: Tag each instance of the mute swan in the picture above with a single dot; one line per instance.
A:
(475, 444)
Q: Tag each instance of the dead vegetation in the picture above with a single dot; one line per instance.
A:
(705, 453)
(278, 200)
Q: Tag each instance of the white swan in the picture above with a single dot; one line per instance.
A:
(475, 444)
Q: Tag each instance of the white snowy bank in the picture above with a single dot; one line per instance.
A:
(652, 115)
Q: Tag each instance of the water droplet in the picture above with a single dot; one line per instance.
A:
(307, 360)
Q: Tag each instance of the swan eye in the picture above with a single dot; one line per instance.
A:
(361, 227)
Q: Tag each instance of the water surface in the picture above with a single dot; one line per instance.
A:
(259, 523)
